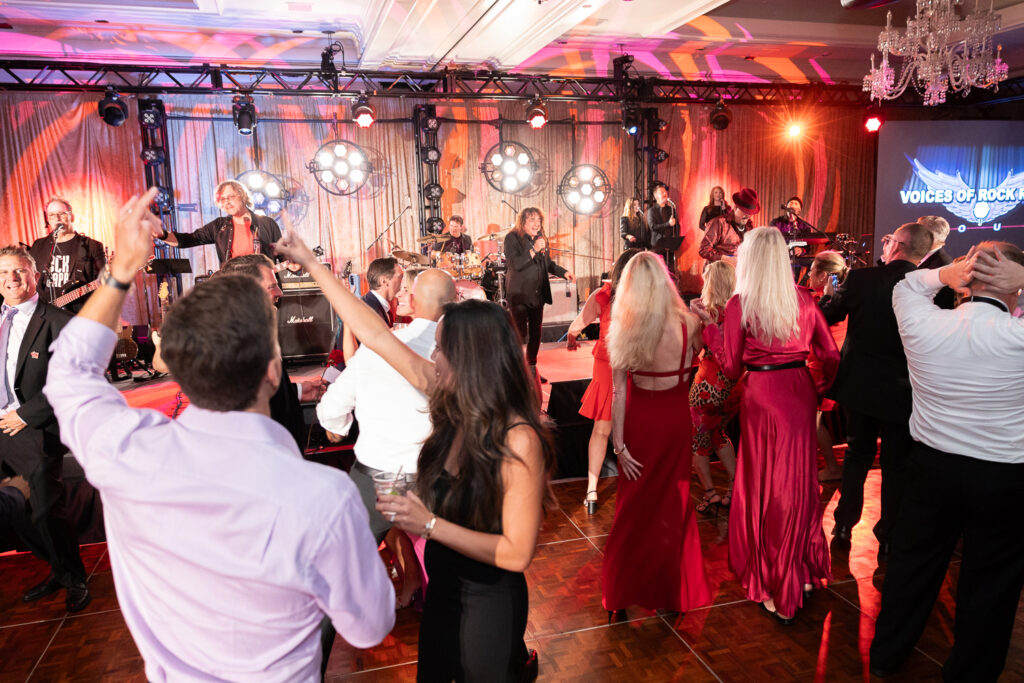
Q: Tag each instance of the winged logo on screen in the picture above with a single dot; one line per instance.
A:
(973, 205)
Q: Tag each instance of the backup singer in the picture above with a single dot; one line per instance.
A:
(240, 232)
(460, 242)
(528, 289)
(633, 226)
(717, 206)
(663, 222)
(66, 259)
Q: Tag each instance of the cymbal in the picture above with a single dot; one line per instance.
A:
(494, 236)
(434, 239)
(413, 257)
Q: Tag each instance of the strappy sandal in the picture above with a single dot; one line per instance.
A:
(710, 500)
(591, 505)
(727, 498)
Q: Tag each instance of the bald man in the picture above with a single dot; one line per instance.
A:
(393, 416)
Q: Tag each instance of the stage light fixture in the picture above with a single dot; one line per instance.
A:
(269, 196)
(163, 198)
(536, 114)
(435, 225)
(433, 191)
(243, 112)
(149, 116)
(660, 155)
(509, 167)
(112, 108)
(363, 112)
(794, 130)
(431, 155)
(585, 189)
(340, 167)
(661, 125)
(630, 120)
(721, 116)
(873, 120)
(153, 156)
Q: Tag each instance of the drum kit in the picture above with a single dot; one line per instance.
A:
(476, 277)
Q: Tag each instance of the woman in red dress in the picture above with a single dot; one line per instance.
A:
(714, 398)
(653, 557)
(597, 400)
(776, 544)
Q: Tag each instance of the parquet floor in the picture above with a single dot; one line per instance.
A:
(732, 640)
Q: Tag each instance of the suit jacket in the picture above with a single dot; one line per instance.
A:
(946, 298)
(657, 221)
(40, 440)
(721, 238)
(527, 278)
(286, 410)
(220, 231)
(872, 377)
(373, 302)
(87, 262)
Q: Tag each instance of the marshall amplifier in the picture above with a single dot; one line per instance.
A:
(305, 326)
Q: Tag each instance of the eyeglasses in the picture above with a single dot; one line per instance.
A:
(59, 214)
(889, 238)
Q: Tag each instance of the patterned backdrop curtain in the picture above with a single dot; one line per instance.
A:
(56, 144)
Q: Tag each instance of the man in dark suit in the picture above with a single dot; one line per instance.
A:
(29, 436)
(938, 257)
(663, 222)
(238, 233)
(13, 494)
(872, 384)
(384, 277)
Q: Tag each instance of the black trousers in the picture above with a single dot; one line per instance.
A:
(528, 320)
(862, 433)
(948, 496)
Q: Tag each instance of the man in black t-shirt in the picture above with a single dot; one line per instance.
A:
(66, 259)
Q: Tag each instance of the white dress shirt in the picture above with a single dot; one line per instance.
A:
(19, 323)
(227, 548)
(394, 419)
(967, 371)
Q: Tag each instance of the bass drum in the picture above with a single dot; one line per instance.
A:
(467, 289)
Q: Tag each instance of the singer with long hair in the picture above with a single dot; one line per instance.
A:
(527, 287)
(65, 258)
(633, 226)
(716, 206)
(240, 232)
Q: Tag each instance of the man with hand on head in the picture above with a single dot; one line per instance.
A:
(228, 550)
(938, 257)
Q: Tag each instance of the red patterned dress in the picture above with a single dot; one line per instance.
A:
(714, 401)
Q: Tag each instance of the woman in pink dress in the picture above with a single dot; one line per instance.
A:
(597, 400)
(776, 544)
(653, 557)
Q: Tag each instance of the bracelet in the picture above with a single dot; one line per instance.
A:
(112, 281)
(428, 528)
(163, 237)
(618, 451)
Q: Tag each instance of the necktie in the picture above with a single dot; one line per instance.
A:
(6, 315)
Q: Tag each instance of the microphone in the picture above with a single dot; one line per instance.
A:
(59, 229)
(786, 208)
(408, 202)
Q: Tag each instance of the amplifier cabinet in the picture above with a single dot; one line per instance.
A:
(306, 326)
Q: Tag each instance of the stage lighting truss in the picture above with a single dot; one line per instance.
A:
(509, 167)
(585, 189)
(243, 113)
(363, 112)
(536, 114)
(269, 195)
(340, 167)
(112, 108)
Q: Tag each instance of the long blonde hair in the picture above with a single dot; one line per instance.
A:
(644, 301)
(719, 285)
(764, 282)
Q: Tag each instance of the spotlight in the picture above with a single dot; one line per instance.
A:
(660, 155)
(433, 191)
(269, 196)
(363, 112)
(536, 114)
(720, 116)
(873, 120)
(340, 167)
(151, 114)
(435, 225)
(428, 117)
(163, 197)
(431, 155)
(794, 130)
(510, 167)
(620, 67)
(112, 109)
(153, 156)
(630, 121)
(243, 111)
(661, 125)
(585, 189)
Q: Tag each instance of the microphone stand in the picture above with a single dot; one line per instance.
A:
(377, 238)
(49, 267)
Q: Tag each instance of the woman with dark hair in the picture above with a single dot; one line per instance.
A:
(597, 400)
(527, 288)
(716, 206)
(633, 225)
(481, 481)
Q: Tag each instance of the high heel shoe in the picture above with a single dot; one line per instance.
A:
(808, 590)
(710, 500)
(591, 505)
(615, 614)
(785, 621)
(727, 498)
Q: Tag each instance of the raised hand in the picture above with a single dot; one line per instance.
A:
(291, 247)
(133, 236)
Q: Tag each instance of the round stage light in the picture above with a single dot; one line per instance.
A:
(433, 191)
(510, 167)
(112, 108)
(720, 116)
(794, 130)
(269, 198)
(872, 124)
(578, 189)
(536, 114)
(363, 112)
(340, 167)
(431, 155)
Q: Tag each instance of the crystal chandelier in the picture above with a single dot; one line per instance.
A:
(939, 52)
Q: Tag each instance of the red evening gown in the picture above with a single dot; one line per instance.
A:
(597, 400)
(776, 543)
(653, 557)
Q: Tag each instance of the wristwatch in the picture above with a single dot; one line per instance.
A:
(112, 281)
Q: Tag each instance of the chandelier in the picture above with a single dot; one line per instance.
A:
(939, 52)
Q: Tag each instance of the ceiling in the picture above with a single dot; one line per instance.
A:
(793, 41)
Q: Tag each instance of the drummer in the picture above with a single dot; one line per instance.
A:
(459, 242)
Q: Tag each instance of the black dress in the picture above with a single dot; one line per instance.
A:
(474, 617)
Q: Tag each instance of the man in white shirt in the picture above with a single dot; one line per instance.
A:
(227, 548)
(393, 416)
(966, 475)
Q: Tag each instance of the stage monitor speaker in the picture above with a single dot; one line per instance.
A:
(572, 430)
(305, 326)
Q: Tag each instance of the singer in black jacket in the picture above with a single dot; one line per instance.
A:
(663, 221)
(527, 286)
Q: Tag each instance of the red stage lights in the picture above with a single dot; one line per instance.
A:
(536, 114)
(363, 112)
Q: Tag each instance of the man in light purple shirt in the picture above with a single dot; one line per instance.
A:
(227, 548)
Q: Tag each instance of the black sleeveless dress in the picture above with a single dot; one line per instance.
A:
(474, 617)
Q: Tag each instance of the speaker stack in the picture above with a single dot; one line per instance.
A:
(306, 324)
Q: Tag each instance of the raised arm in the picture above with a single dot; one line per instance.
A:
(590, 314)
(366, 325)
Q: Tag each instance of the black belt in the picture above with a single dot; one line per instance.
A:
(368, 471)
(781, 366)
